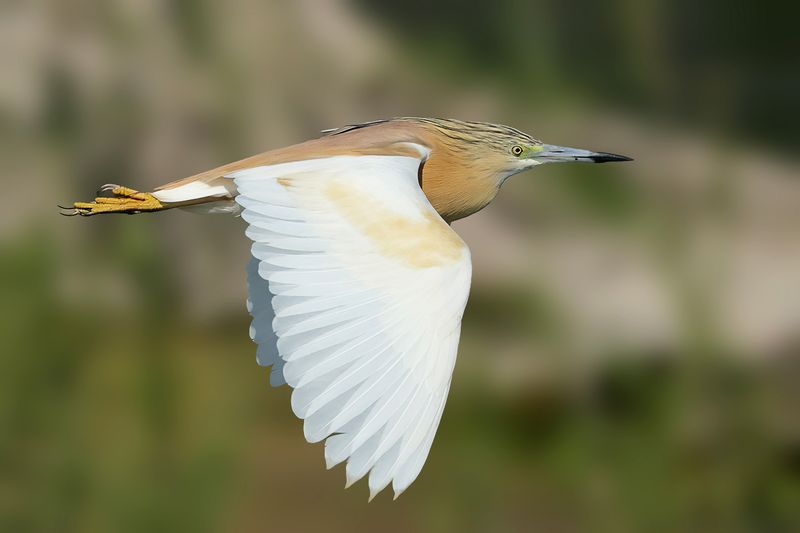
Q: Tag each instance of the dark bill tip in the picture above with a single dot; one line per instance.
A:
(603, 157)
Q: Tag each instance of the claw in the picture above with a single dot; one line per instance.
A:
(108, 187)
(68, 211)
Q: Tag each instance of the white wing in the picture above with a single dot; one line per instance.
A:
(368, 287)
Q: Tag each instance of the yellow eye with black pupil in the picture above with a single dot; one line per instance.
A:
(517, 150)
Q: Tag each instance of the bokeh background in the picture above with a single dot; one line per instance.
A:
(631, 350)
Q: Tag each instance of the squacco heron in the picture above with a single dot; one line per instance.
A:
(357, 284)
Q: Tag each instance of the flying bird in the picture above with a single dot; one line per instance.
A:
(357, 283)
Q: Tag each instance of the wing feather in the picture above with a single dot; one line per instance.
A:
(260, 307)
(364, 330)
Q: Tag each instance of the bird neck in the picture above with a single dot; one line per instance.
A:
(457, 182)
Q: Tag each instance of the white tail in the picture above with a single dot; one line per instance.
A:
(215, 197)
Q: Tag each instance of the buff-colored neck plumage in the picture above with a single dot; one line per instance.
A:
(461, 176)
(466, 164)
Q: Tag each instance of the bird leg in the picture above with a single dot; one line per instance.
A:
(124, 200)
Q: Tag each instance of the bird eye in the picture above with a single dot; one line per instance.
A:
(517, 150)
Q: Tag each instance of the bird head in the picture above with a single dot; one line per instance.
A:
(506, 151)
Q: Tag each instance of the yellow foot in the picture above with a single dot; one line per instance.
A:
(124, 200)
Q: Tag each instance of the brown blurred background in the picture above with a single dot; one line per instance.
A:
(631, 350)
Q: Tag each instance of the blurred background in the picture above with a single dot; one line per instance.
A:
(631, 350)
